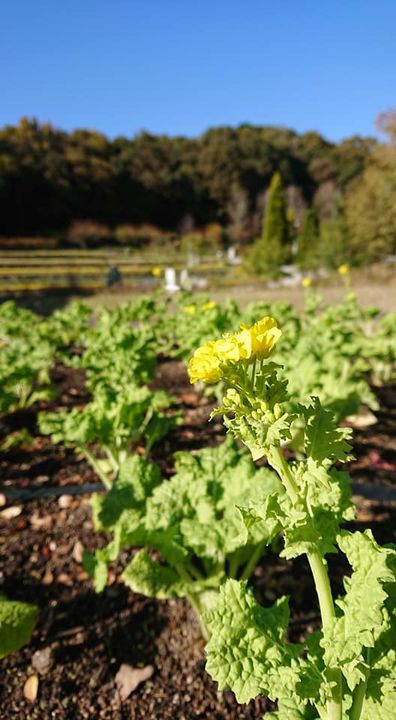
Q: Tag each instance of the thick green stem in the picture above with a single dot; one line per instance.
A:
(278, 462)
(320, 575)
(195, 604)
(253, 560)
(360, 693)
(193, 600)
(322, 584)
(358, 700)
(112, 459)
(233, 566)
(92, 460)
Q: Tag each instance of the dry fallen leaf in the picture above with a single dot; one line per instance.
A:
(30, 688)
(128, 678)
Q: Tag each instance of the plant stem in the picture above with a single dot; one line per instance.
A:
(278, 462)
(113, 462)
(195, 604)
(253, 560)
(360, 693)
(253, 373)
(233, 566)
(322, 584)
(193, 600)
(92, 460)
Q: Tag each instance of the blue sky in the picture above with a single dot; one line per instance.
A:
(181, 66)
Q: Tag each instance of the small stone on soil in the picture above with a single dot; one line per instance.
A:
(42, 660)
(128, 678)
(30, 688)
(11, 512)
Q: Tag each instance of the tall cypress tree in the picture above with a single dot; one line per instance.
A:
(273, 248)
(308, 251)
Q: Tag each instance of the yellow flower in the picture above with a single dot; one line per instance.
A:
(343, 269)
(351, 296)
(228, 349)
(209, 305)
(210, 361)
(259, 340)
(306, 282)
(205, 364)
(156, 271)
(190, 309)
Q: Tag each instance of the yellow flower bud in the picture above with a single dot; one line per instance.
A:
(232, 397)
(306, 282)
(156, 271)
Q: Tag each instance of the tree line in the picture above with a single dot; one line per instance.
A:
(49, 179)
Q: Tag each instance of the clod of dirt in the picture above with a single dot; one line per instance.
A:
(128, 678)
(42, 660)
(30, 688)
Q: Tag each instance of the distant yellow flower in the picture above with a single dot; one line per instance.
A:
(351, 296)
(306, 282)
(343, 269)
(209, 305)
(156, 271)
(210, 361)
(190, 309)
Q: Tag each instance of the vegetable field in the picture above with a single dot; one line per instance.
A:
(87, 271)
(198, 510)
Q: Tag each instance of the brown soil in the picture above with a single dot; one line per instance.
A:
(91, 635)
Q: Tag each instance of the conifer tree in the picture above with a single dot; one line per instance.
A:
(273, 248)
(308, 251)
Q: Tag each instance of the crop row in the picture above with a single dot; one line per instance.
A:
(282, 381)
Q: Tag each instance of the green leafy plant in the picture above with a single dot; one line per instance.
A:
(17, 621)
(111, 425)
(117, 354)
(25, 374)
(347, 669)
(191, 520)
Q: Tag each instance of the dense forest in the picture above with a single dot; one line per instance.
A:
(50, 178)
